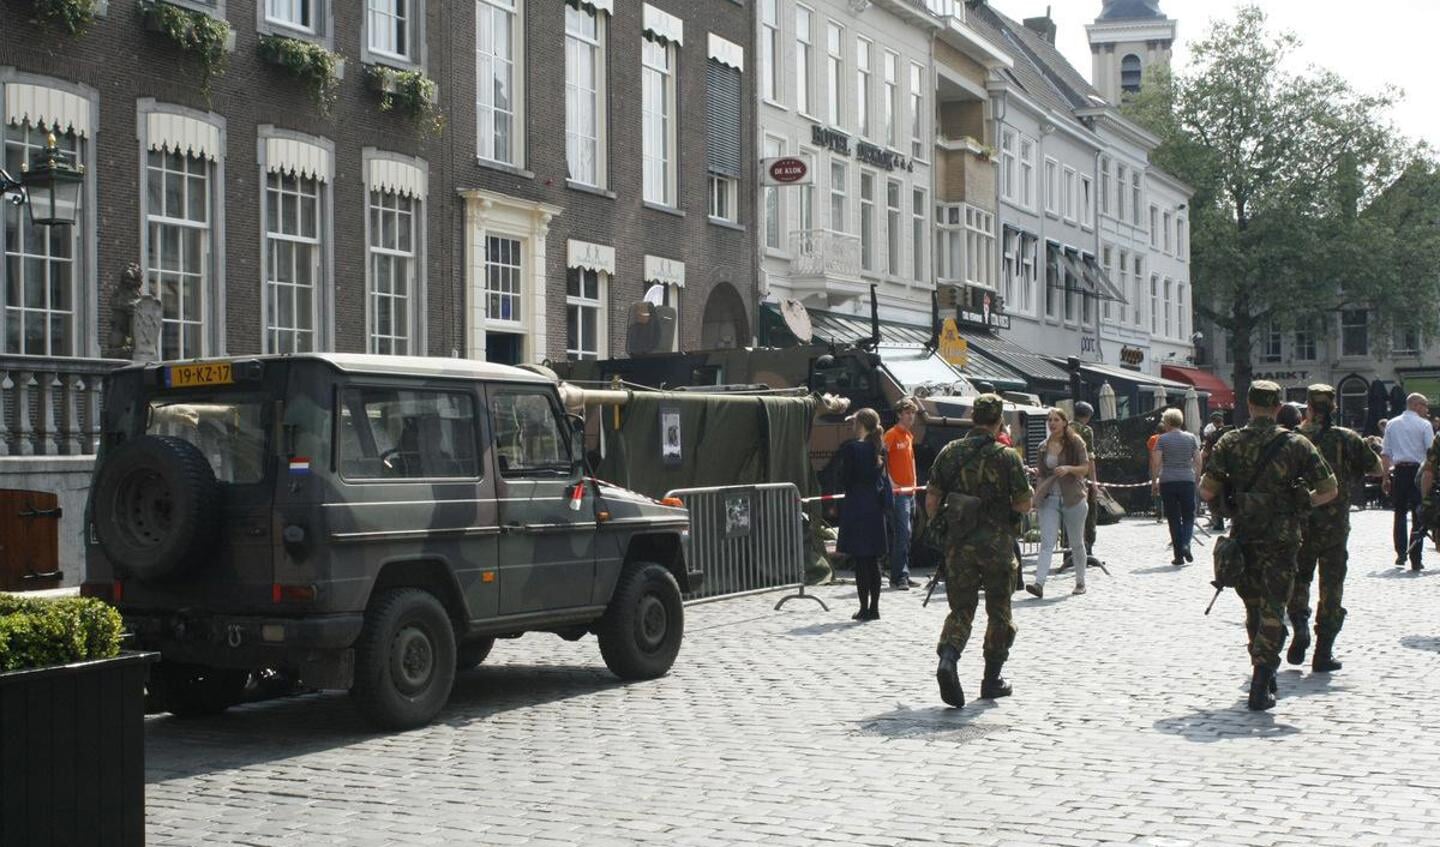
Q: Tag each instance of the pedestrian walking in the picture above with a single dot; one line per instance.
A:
(1174, 468)
(1214, 431)
(900, 458)
(1081, 425)
(868, 496)
(1263, 474)
(980, 489)
(1326, 534)
(1407, 440)
(1063, 467)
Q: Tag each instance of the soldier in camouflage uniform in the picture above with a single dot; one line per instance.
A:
(1287, 474)
(1326, 532)
(984, 557)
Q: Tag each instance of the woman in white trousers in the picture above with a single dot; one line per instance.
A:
(1060, 496)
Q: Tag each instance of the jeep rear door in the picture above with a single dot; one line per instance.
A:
(547, 536)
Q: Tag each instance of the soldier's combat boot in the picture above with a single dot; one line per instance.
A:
(993, 685)
(1262, 696)
(1324, 661)
(1300, 622)
(949, 678)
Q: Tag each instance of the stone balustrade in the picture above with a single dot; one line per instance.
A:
(50, 406)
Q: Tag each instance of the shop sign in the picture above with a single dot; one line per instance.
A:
(1132, 357)
(953, 348)
(787, 170)
(1299, 377)
(838, 142)
(986, 317)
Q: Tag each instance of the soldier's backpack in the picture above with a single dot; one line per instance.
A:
(962, 511)
(1230, 559)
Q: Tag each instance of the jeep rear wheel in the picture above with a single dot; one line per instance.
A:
(404, 659)
(641, 632)
(195, 691)
(472, 654)
(156, 506)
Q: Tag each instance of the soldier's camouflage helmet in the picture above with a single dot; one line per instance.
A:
(1321, 391)
(988, 409)
(1264, 393)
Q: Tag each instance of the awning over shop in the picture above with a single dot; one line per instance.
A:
(1099, 281)
(1041, 373)
(1222, 396)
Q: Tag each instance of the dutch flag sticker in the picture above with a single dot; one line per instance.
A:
(300, 465)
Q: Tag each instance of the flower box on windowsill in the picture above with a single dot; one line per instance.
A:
(151, 17)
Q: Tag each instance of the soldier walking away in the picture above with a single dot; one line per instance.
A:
(900, 454)
(1081, 425)
(1327, 532)
(1265, 475)
(1407, 440)
(980, 489)
(1213, 432)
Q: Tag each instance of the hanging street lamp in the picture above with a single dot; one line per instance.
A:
(50, 184)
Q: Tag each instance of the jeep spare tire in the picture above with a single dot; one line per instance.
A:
(156, 506)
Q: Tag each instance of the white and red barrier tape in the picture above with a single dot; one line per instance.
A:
(826, 498)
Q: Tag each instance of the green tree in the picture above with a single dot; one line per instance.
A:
(1293, 215)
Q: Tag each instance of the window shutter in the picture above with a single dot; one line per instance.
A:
(723, 131)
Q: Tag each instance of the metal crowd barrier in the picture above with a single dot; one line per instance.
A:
(747, 539)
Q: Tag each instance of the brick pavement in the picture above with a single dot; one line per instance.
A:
(801, 727)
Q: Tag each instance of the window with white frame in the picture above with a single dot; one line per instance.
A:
(1354, 332)
(805, 196)
(1272, 350)
(1086, 299)
(1010, 263)
(1405, 340)
(1305, 339)
(393, 269)
(1054, 279)
(1169, 238)
(293, 263)
(389, 25)
(1087, 202)
(1169, 307)
(863, 49)
(504, 278)
(918, 226)
(770, 50)
(1029, 271)
(917, 112)
(1154, 303)
(867, 221)
(1072, 282)
(804, 59)
(585, 114)
(1027, 172)
(979, 247)
(774, 222)
(1120, 173)
(1067, 196)
(658, 96)
(1104, 185)
(179, 225)
(1182, 247)
(40, 271)
(1107, 262)
(1138, 279)
(834, 72)
(890, 101)
(1180, 301)
(584, 313)
(894, 236)
(1122, 281)
(1135, 196)
(838, 197)
(299, 14)
(724, 203)
(1008, 173)
(1154, 227)
(1052, 186)
(498, 103)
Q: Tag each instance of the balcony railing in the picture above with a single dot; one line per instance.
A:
(824, 253)
(50, 406)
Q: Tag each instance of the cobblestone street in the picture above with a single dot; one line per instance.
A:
(1128, 726)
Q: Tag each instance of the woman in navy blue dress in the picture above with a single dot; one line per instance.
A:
(866, 487)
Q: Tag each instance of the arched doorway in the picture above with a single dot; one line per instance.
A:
(724, 323)
(1354, 401)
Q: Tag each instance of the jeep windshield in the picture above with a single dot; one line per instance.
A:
(229, 429)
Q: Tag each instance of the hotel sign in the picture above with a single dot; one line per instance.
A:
(838, 142)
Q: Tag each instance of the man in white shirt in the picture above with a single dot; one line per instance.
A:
(1407, 439)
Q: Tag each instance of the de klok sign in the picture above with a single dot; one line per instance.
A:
(786, 170)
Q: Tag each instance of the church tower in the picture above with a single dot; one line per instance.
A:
(1129, 37)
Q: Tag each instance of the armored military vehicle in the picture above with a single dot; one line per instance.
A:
(370, 523)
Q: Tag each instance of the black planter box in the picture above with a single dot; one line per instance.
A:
(72, 753)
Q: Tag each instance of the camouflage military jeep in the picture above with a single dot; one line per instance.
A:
(366, 523)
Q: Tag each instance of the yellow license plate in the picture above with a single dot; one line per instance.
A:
(189, 376)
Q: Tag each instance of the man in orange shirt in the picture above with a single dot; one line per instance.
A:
(900, 458)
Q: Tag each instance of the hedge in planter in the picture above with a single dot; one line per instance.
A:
(37, 633)
(410, 92)
(75, 16)
(207, 38)
(317, 67)
(72, 725)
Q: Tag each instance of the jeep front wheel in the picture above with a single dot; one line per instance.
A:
(471, 654)
(641, 632)
(404, 659)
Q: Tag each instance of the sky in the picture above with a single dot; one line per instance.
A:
(1372, 44)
